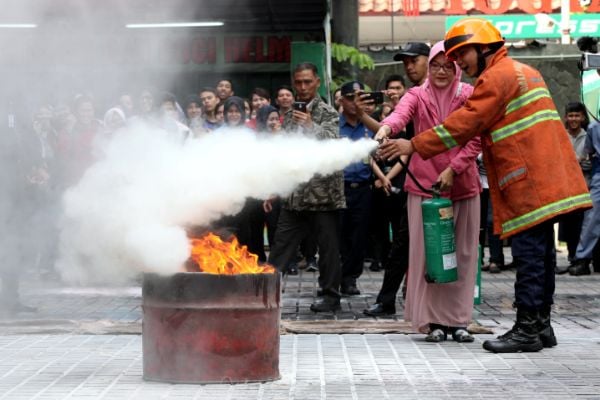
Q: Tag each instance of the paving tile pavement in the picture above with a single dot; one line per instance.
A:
(312, 367)
(53, 361)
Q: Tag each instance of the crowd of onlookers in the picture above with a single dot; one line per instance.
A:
(368, 211)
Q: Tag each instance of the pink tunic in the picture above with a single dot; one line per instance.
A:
(449, 304)
(416, 106)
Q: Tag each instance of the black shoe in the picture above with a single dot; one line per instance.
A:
(494, 268)
(375, 266)
(580, 267)
(378, 310)
(561, 270)
(350, 290)
(523, 337)
(326, 304)
(311, 266)
(506, 267)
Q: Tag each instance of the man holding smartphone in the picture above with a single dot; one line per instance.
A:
(313, 208)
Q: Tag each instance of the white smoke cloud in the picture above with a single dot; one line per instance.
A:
(130, 210)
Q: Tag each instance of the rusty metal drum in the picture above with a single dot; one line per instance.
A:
(205, 328)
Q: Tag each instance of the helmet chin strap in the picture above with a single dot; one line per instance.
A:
(481, 64)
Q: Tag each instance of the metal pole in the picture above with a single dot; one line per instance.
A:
(565, 21)
(392, 15)
(327, 30)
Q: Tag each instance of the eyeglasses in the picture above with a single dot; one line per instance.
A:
(435, 67)
(349, 96)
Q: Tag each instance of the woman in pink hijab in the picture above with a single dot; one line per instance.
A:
(440, 309)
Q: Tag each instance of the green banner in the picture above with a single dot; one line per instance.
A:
(525, 26)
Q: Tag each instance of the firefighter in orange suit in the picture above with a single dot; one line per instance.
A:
(532, 170)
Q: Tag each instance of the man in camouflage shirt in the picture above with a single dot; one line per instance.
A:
(313, 208)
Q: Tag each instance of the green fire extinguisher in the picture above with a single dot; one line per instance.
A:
(438, 229)
(440, 246)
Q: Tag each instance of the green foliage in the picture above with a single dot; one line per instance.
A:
(342, 53)
(346, 61)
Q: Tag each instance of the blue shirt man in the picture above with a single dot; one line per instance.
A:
(354, 130)
(357, 190)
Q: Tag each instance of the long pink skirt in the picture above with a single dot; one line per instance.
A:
(449, 304)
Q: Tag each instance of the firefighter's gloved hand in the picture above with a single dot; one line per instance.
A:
(391, 149)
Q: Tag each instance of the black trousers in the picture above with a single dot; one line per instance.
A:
(308, 246)
(535, 257)
(379, 228)
(486, 229)
(397, 260)
(251, 224)
(569, 231)
(355, 228)
(271, 219)
(293, 226)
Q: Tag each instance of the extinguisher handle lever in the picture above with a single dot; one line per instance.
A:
(436, 189)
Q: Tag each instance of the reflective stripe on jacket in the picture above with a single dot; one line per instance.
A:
(533, 173)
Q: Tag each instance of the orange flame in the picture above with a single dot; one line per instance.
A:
(215, 256)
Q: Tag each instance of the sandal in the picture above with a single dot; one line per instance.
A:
(461, 335)
(435, 336)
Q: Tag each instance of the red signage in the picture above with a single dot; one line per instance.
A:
(236, 49)
(251, 49)
(461, 7)
(502, 6)
(203, 50)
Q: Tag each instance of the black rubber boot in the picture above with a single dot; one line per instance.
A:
(523, 337)
(547, 333)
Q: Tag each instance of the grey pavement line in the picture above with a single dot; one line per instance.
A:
(65, 326)
(114, 381)
(348, 368)
(46, 366)
(428, 363)
(399, 361)
(261, 392)
(294, 373)
(433, 373)
(375, 367)
(321, 367)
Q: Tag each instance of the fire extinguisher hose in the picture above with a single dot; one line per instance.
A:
(435, 188)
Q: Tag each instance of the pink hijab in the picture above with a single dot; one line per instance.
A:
(441, 99)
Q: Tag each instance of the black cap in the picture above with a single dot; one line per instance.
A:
(351, 87)
(413, 49)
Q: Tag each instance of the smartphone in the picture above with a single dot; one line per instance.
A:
(377, 97)
(299, 106)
